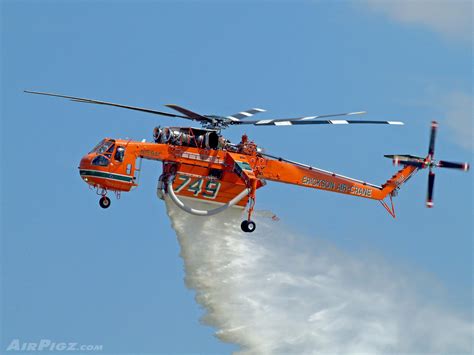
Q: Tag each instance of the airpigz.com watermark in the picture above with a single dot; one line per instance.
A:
(49, 345)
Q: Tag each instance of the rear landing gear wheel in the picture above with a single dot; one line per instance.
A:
(104, 202)
(248, 226)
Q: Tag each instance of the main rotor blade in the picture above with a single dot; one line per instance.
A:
(188, 113)
(429, 197)
(245, 114)
(292, 122)
(434, 126)
(275, 121)
(451, 165)
(91, 101)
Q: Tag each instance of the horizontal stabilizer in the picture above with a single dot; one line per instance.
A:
(407, 159)
(401, 157)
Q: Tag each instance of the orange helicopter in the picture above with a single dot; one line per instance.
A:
(200, 164)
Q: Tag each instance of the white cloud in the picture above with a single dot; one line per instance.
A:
(451, 18)
(459, 116)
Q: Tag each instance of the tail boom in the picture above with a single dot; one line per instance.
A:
(282, 171)
(398, 179)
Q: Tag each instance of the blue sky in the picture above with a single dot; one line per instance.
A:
(74, 272)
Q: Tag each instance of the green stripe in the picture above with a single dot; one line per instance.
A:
(105, 175)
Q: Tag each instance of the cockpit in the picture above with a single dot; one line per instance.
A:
(108, 167)
(105, 151)
(104, 146)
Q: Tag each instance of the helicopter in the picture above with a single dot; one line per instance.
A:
(199, 163)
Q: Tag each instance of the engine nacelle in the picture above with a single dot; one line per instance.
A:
(189, 137)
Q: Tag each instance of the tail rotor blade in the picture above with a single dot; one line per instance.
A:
(429, 198)
(451, 165)
(434, 127)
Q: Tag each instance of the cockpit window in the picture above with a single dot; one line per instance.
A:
(119, 154)
(104, 146)
(100, 160)
(97, 146)
(111, 148)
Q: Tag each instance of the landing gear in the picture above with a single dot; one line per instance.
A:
(104, 202)
(248, 226)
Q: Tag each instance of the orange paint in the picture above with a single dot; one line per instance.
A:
(217, 175)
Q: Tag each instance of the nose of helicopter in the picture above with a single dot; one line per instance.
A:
(98, 171)
(85, 166)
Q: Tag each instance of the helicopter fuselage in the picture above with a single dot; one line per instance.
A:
(207, 167)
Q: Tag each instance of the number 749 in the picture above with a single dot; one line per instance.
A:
(210, 190)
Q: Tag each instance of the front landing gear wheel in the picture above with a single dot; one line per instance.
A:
(248, 226)
(104, 202)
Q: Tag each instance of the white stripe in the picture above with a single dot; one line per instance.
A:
(233, 118)
(283, 123)
(207, 201)
(396, 122)
(263, 121)
(86, 176)
(245, 113)
(339, 122)
(308, 118)
(357, 113)
(259, 109)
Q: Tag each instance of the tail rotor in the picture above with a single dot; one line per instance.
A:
(428, 162)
